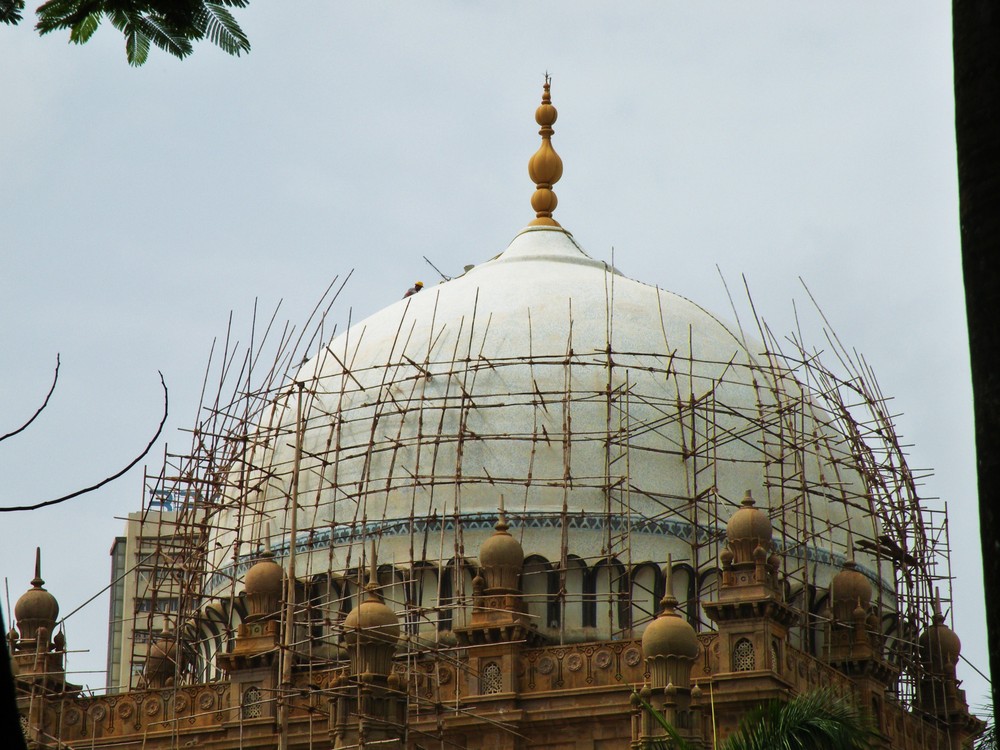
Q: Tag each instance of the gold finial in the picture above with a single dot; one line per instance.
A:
(545, 167)
(264, 545)
(502, 524)
(937, 618)
(372, 586)
(37, 581)
(669, 601)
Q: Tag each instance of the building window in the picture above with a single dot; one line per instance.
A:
(775, 654)
(743, 657)
(157, 604)
(492, 679)
(145, 636)
(251, 703)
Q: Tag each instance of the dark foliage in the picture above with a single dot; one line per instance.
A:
(172, 25)
(819, 720)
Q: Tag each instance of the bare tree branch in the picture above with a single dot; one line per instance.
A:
(109, 479)
(55, 378)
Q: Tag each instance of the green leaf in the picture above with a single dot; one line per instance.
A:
(85, 28)
(10, 11)
(819, 720)
(218, 24)
(678, 742)
(172, 25)
(62, 14)
(136, 45)
(165, 35)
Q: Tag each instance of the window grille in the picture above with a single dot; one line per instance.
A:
(492, 679)
(251, 703)
(775, 663)
(743, 656)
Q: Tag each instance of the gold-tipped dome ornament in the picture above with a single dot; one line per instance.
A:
(371, 621)
(939, 645)
(545, 167)
(850, 588)
(265, 576)
(36, 608)
(501, 550)
(669, 635)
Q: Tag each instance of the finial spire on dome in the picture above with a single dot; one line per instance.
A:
(501, 556)
(371, 588)
(502, 524)
(264, 544)
(937, 618)
(37, 581)
(669, 601)
(545, 167)
(36, 608)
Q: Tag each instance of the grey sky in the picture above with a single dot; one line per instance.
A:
(140, 206)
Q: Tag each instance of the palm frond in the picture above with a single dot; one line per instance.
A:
(165, 35)
(233, 3)
(10, 11)
(988, 739)
(172, 25)
(136, 45)
(64, 14)
(218, 24)
(120, 19)
(679, 743)
(83, 29)
(820, 720)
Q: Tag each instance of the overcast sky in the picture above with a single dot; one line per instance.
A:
(141, 206)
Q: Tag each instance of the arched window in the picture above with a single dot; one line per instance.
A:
(743, 656)
(425, 598)
(251, 708)
(647, 591)
(444, 599)
(579, 609)
(540, 585)
(589, 598)
(609, 594)
(491, 679)
(708, 590)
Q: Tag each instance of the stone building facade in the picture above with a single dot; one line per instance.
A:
(695, 529)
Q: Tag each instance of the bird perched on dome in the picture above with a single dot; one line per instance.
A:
(417, 286)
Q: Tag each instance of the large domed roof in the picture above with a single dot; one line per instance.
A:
(619, 420)
(530, 376)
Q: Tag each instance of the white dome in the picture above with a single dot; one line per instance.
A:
(577, 393)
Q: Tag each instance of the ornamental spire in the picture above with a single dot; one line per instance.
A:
(545, 167)
(669, 601)
(371, 588)
(502, 524)
(37, 581)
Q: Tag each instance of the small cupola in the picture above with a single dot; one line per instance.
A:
(747, 530)
(850, 590)
(263, 587)
(939, 646)
(371, 631)
(669, 643)
(37, 609)
(501, 558)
